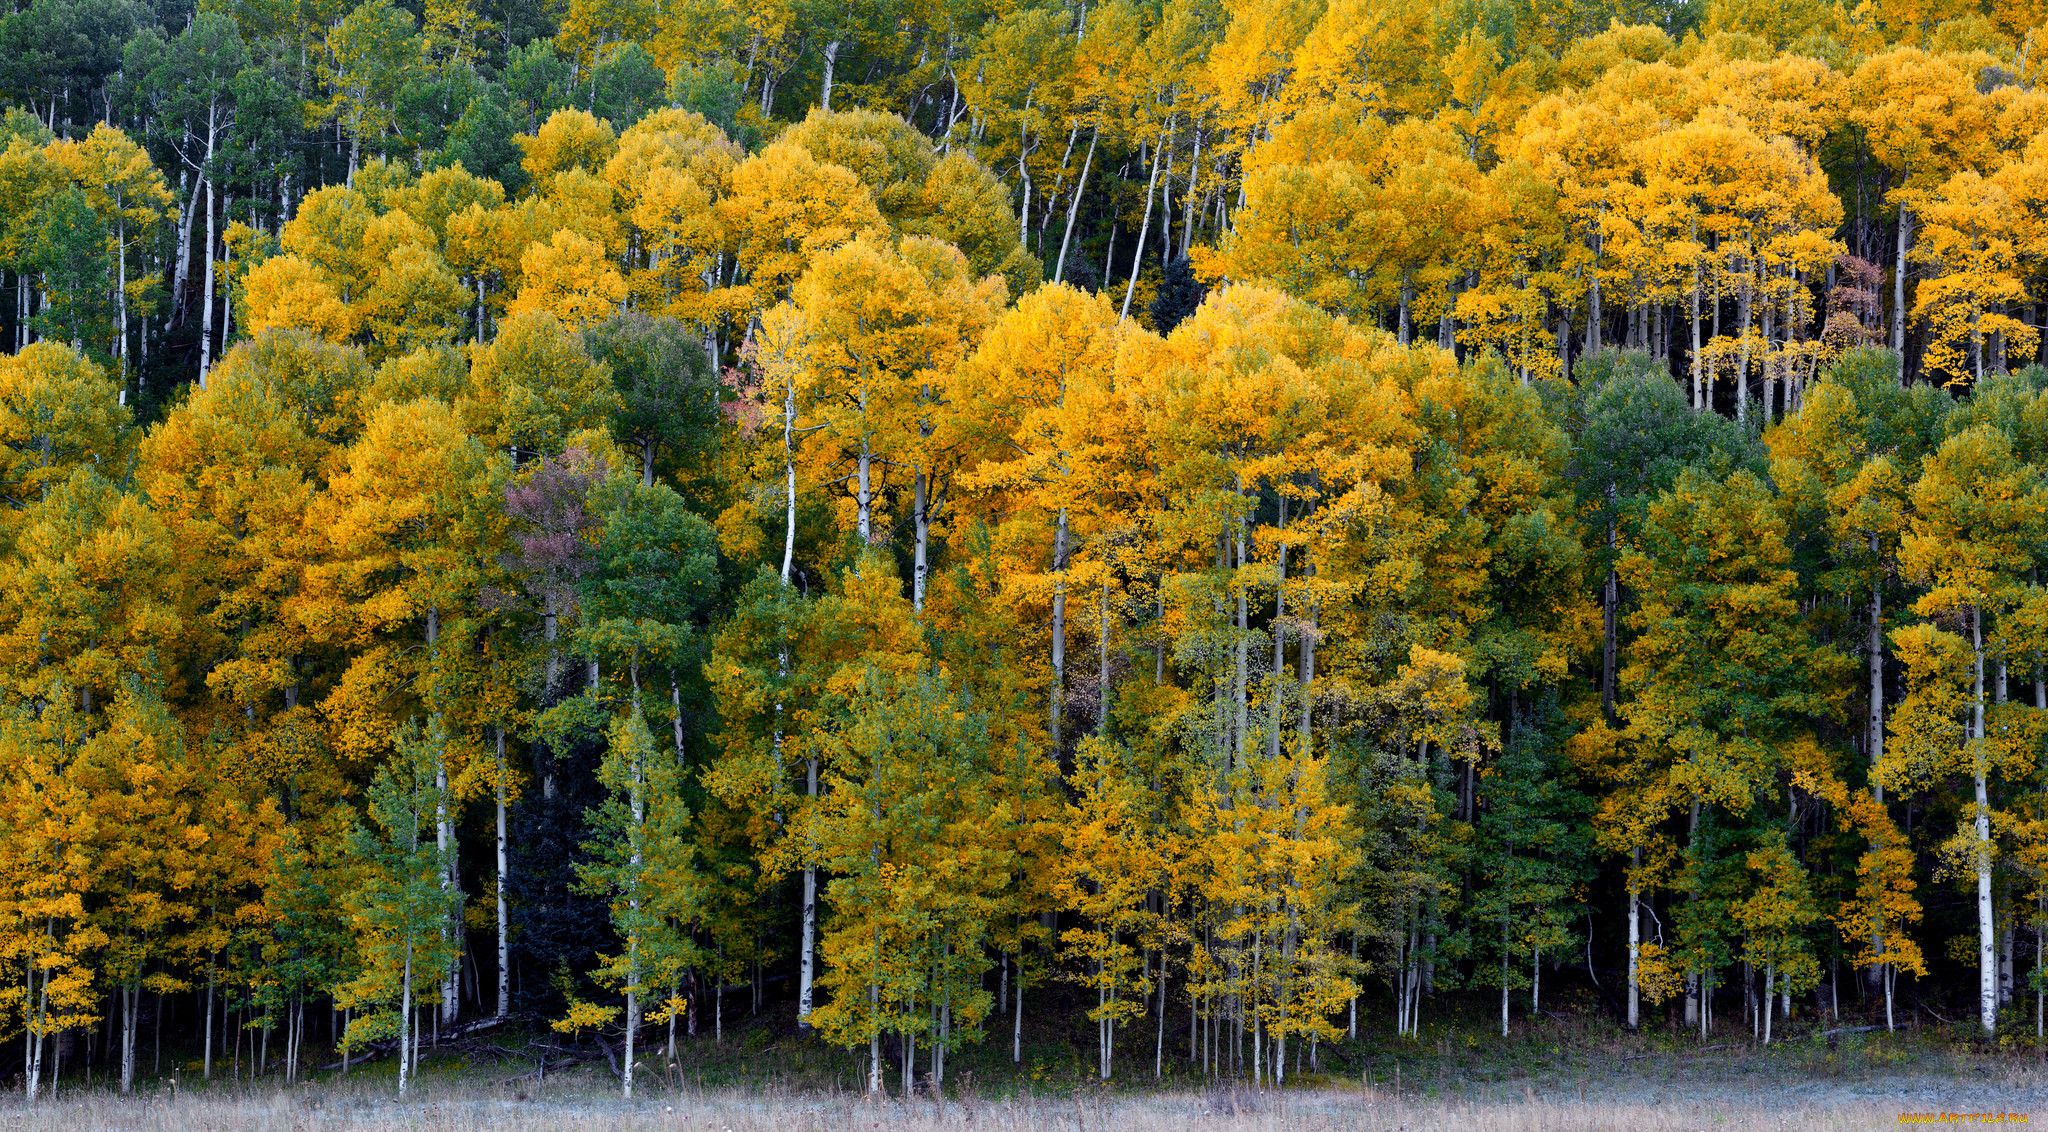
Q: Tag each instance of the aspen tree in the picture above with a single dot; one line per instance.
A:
(1039, 386)
(913, 889)
(1111, 859)
(1975, 512)
(1922, 119)
(48, 939)
(148, 849)
(400, 910)
(1749, 682)
(1532, 854)
(1965, 241)
(1823, 462)
(643, 866)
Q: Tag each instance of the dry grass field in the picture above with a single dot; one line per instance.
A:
(1577, 1074)
(1746, 1091)
(1303, 1111)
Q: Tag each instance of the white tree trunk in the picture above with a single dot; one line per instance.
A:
(206, 282)
(504, 913)
(405, 1028)
(1987, 940)
(1056, 696)
(1059, 271)
(1635, 941)
(831, 64)
(1899, 288)
(1145, 228)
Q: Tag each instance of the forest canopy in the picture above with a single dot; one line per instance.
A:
(1252, 519)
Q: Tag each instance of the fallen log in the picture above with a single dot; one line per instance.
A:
(388, 1046)
(1833, 1032)
(610, 1055)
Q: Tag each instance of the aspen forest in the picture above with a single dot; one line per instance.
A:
(1198, 531)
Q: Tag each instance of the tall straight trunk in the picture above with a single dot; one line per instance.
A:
(121, 301)
(2007, 963)
(1635, 939)
(1240, 689)
(181, 271)
(1504, 955)
(1159, 1042)
(1024, 169)
(129, 994)
(808, 932)
(1279, 634)
(407, 1038)
(227, 298)
(1743, 307)
(1446, 324)
(444, 841)
(875, 1042)
(1145, 227)
(1306, 660)
(504, 907)
(639, 817)
(206, 281)
(1351, 1026)
(1770, 366)
(1187, 234)
(1102, 691)
(921, 519)
(1610, 607)
(808, 944)
(1987, 943)
(1899, 287)
(831, 65)
(1770, 988)
(865, 502)
(35, 1008)
(1593, 299)
(789, 480)
(206, 1059)
(1059, 271)
(1701, 397)
(1057, 696)
(1875, 647)
(1059, 183)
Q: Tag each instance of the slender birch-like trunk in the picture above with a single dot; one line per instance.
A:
(1875, 647)
(831, 65)
(1899, 288)
(405, 1026)
(1987, 942)
(504, 907)
(1145, 228)
(1059, 271)
(1635, 939)
(1057, 696)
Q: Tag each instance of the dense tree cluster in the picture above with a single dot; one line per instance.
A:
(1237, 514)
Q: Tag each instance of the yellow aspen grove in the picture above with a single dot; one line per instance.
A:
(948, 549)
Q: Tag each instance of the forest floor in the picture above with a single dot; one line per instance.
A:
(1576, 1072)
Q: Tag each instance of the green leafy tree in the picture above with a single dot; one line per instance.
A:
(402, 910)
(668, 402)
(642, 862)
(73, 255)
